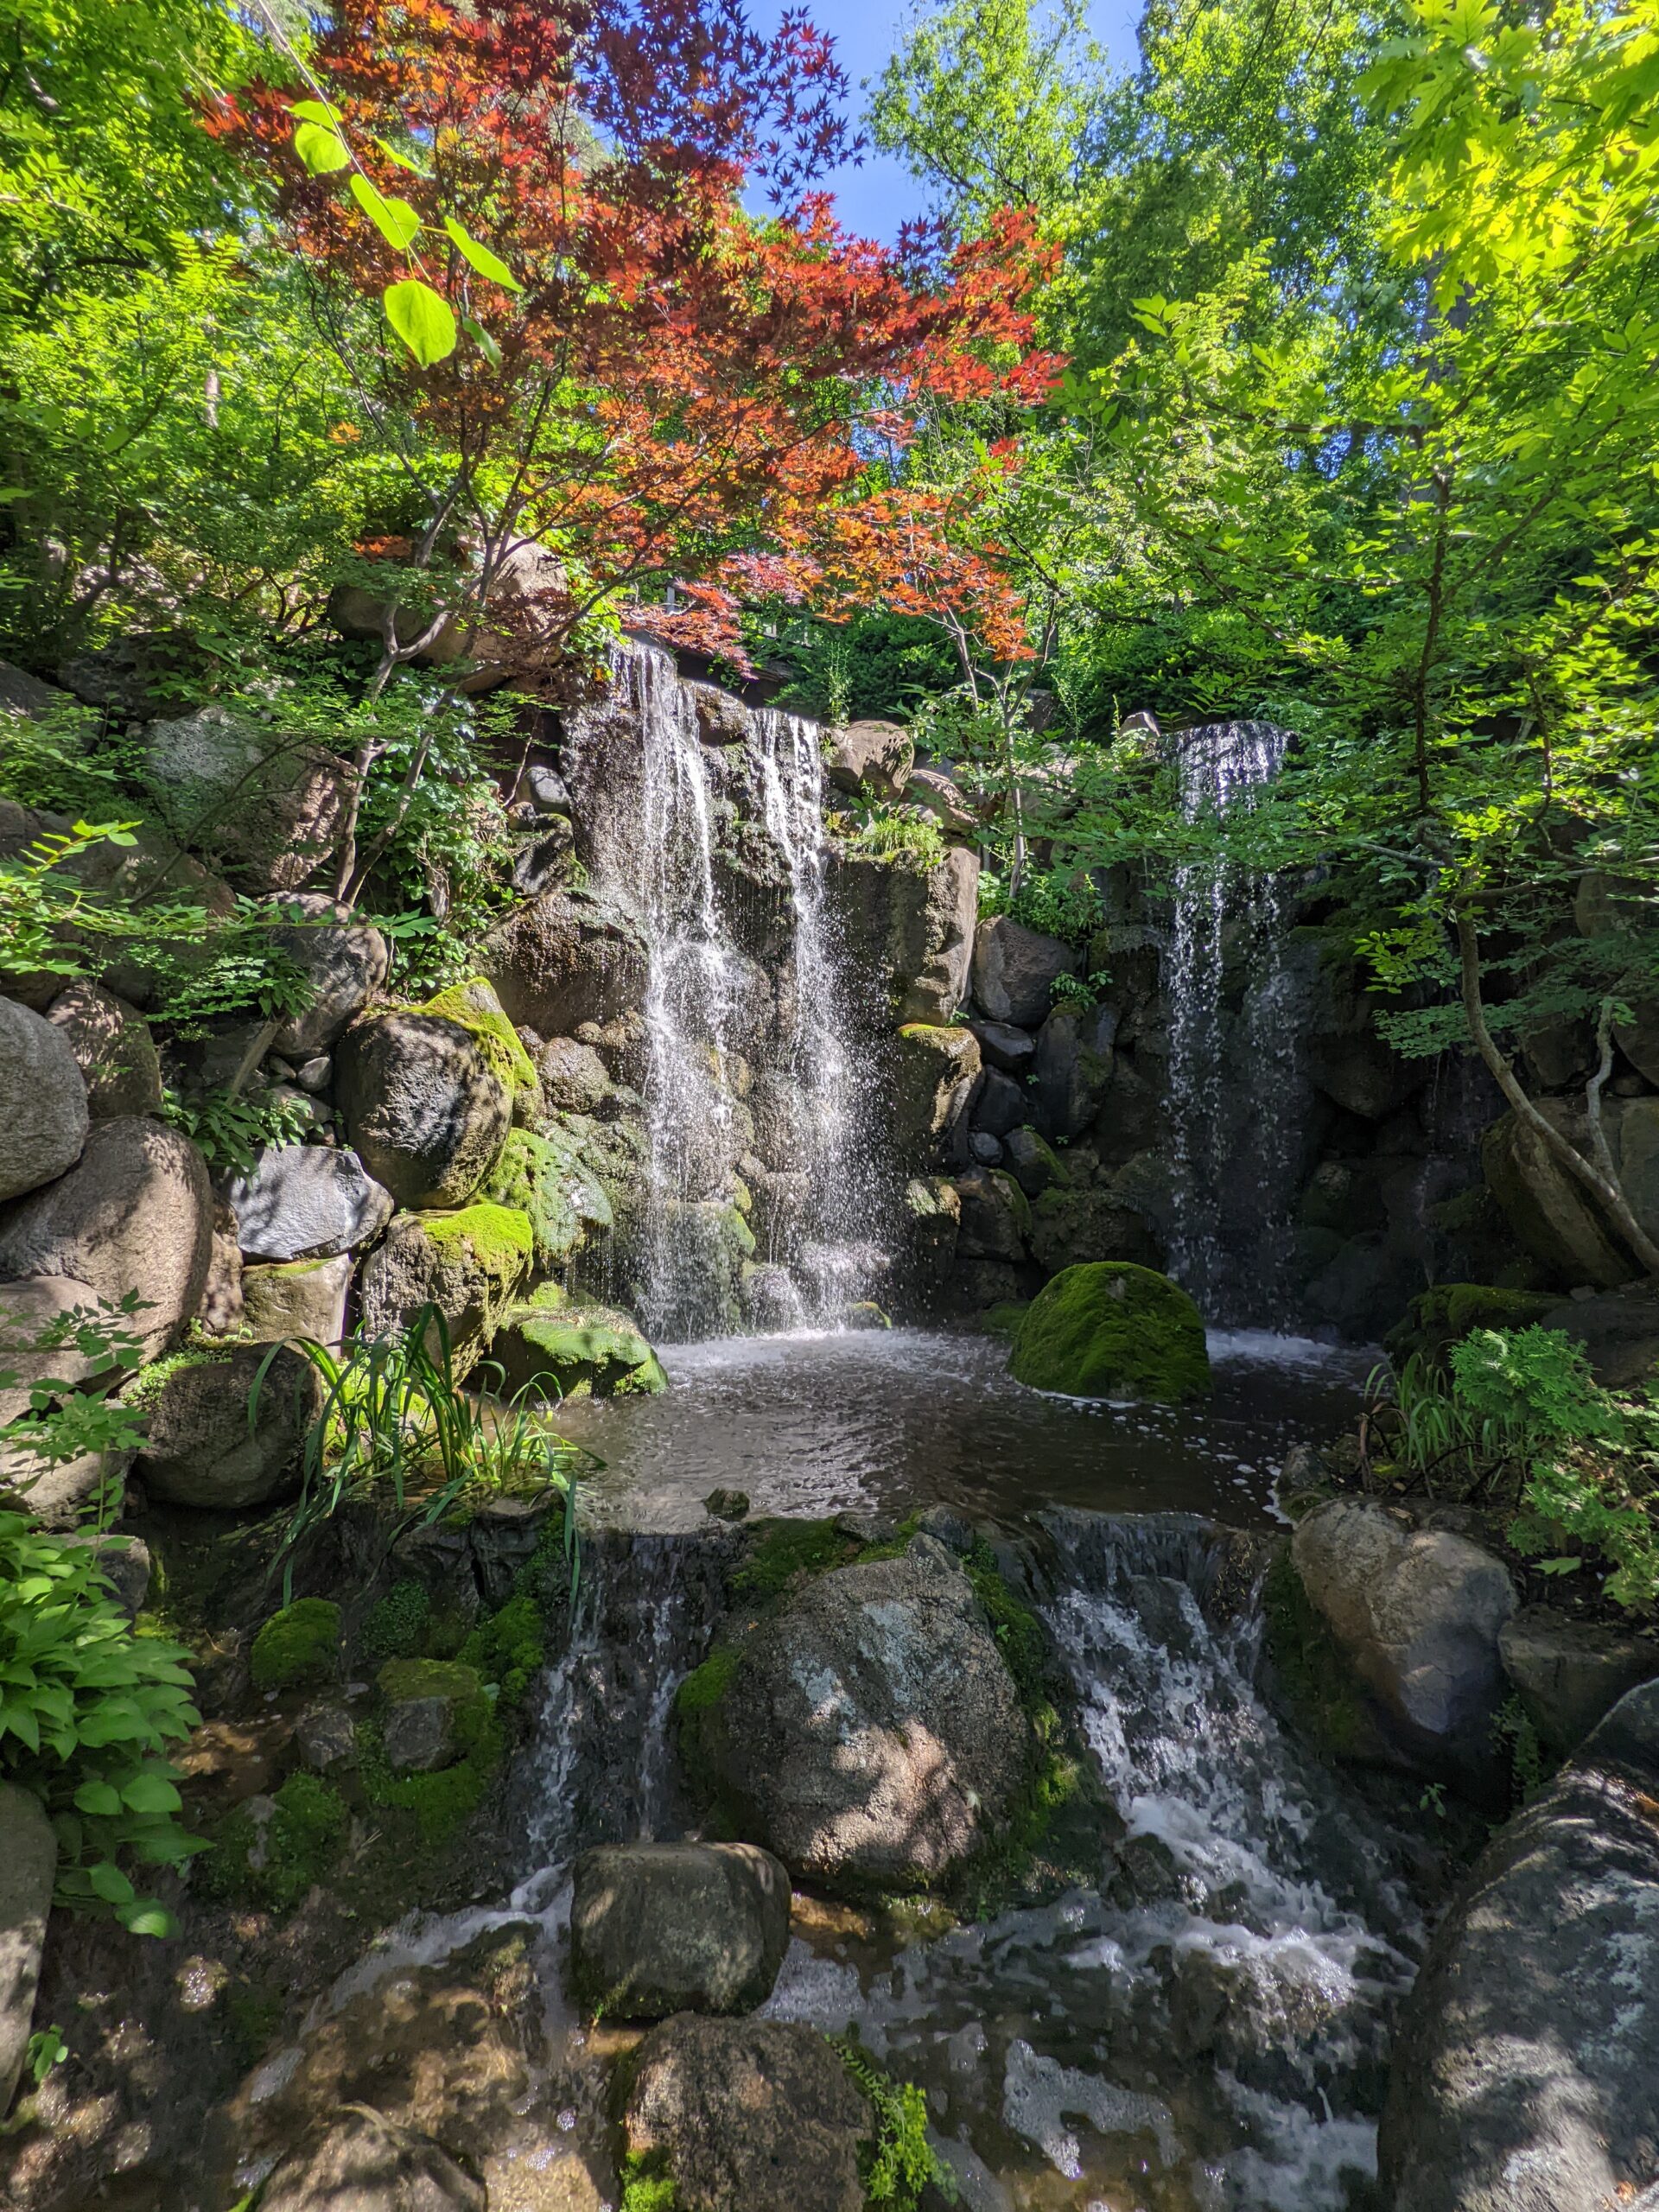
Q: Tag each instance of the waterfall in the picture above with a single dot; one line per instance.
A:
(1234, 1080)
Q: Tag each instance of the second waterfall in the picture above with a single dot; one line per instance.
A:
(713, 832)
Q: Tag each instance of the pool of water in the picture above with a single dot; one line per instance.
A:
(893, 1421)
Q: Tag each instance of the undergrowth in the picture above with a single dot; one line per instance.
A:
(900, 2161)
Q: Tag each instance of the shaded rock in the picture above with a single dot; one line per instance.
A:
(545, 861)
(571, 958)
(943, 798)
(470, 1265)
(546, 789)
(756, 2113)
(1569, 1673)
(358, 2161)
(996, 1218)
(662, 1928)
(1106, 1329)
(933, 1216)
(29, 1311)
(125, 1563)
(1444, 1314)
(1034, 1164)
(43, 1107)
(575, 1079)
(1526, 2064)
(1002, 1045)
(308, 1202)
(1550, 1210)
(1345, 1057)
(135, 1213)
(1073, 1066)
(999, 1103)
(64, 1495)
(870, 1733)
(22, 694)
(347, 962)
(327, 1736)
(874, 758)
(436, 1710)
(113, 1049)
(297, 1298)
(201, 1450)
(29, 1862)
(985, 1149)
(725, 1505)
(1619, 1332)
(934, 1077)
(1015, 970)
(1638, 1039)
(265, 805)
(1417, 1612)
(908, 930)
(559, 1351)
(426, 1104)
(772, 1300)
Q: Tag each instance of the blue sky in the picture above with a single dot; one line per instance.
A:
(877, 197)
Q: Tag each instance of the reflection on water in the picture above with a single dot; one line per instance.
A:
(816, 1422)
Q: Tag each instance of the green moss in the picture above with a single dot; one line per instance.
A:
(403, 1681)
(647, 2185)
(705, 1686)
(1004, 1320)
(535, 1177)
(396, 1627)
(275, 1868)
(1313, 1677)
(575, 1351)
(508, 1647)
(147, 1386)
(299, 1647)
(499, 1238)
(1107, 1328)
(782, 1549)
(1444, 1314)
(475, 1007)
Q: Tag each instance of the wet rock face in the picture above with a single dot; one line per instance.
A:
(135, 1212)
(1418, 1612)
(663, 1927)
(570, 959)
(871, 1730)
(359, 2161)
(756, 2113)
(908, 932)
(201, 1450)
(43, 1118)
(425, 1104)
(1526, 2069)
(935, 1074)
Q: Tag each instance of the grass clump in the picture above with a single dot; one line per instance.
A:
(299, 1647)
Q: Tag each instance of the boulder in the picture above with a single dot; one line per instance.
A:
(1444, 1314)
(1073, 1066)
(308, 1202)
(870, 1733)
(426, 1103)
(908, 930)
(1417, 1612)
(558, 1350)
(1107, 1329)
(22, 694)
(327, 1736)
(933, 1218)
(934, 1077)
(436, 1712)
(202, 1451)
(63, 1495)
(470, 1265)
(298, 1298)
(1033, 1163)
(757, 2114)
(29, 1865)
(545, 859)
(1549, 1211)
(113, 1049)
(984, 1149)
(723, 718)
(43, 1108)
(357, 2160)
(1569, 1673)
(546, 1178)
(125, 1564)
(1526, 2064)
(570, 958)
(345, 963)
(1002, 1046)
(546, 789)
(265, 805)
(136, 1212)
(574, 1078)
(943, 798)
(999, 1103)
(1345, 1057)
(1619, 1330)
(869, 758)
(29, 1311)
(995, 1218)
(663, 1927)
(1015, 970)
(1638, 1038)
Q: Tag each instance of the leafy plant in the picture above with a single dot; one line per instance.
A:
(230, 1129)
(64, 1421)
(888, 833)
(900, 2163)
(1078, 994)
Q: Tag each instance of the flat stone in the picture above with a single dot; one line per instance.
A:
(43, 1113)
(663, 1927)
(357, 2160)
(308, 1202)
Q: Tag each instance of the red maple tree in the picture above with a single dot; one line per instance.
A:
(681, 392)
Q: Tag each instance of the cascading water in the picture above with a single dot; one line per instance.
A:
(1233, 1078)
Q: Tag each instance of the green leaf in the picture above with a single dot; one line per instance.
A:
(111, 1884)
(486, 264)
(403, 161)
(99, 1799)
(148, 1793)
(146, 1917)
(395, 220)
(321, 151)
(422, 319)
(315, 111)
(481, 338)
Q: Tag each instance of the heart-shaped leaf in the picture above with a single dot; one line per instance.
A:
(321, 149)
(422, 319)
(395, 220)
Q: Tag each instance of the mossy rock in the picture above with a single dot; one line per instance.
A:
(299, 1647)
(1107, 1329)
(474, 1005)
(1444, 1314)
(530, 1176)
(271, 1851)
(565, 1351)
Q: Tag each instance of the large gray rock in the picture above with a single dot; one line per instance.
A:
(943, 798)
(298, 1298)
(308, 1202)
(1619, 1330)
(1002, 1045)
(29, 1865)
(570, 958)
(1074, 1068)
(908, 930)
(425, 1104)
(870, 758)
(113, 1049)
(662, 1928)
(346, 961)
(999, 1103)
(574, 1078)
(1526, 2067)
(995, 1217)
(748, 2116)
(264, 804)
(43, 1114)
(1346, 1057)
(469, 1265)
(1417, 1612)
(935, 1073)
(1015, 970)
(29, 1311)
(357, 2160)
(1550, 1210)
(136, 1212)
(871, 1735)
(201, 1448)
(1569, 1673)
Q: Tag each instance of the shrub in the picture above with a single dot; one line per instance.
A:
(900, 2163)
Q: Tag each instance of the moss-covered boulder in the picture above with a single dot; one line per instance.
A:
(934, 1072)
(1110, 1329)
(436, 1712)
(470, 1264)
(1444, 1314)
(429, 1092)
(548, 1347)
(299, 1647)
(544, 1177)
